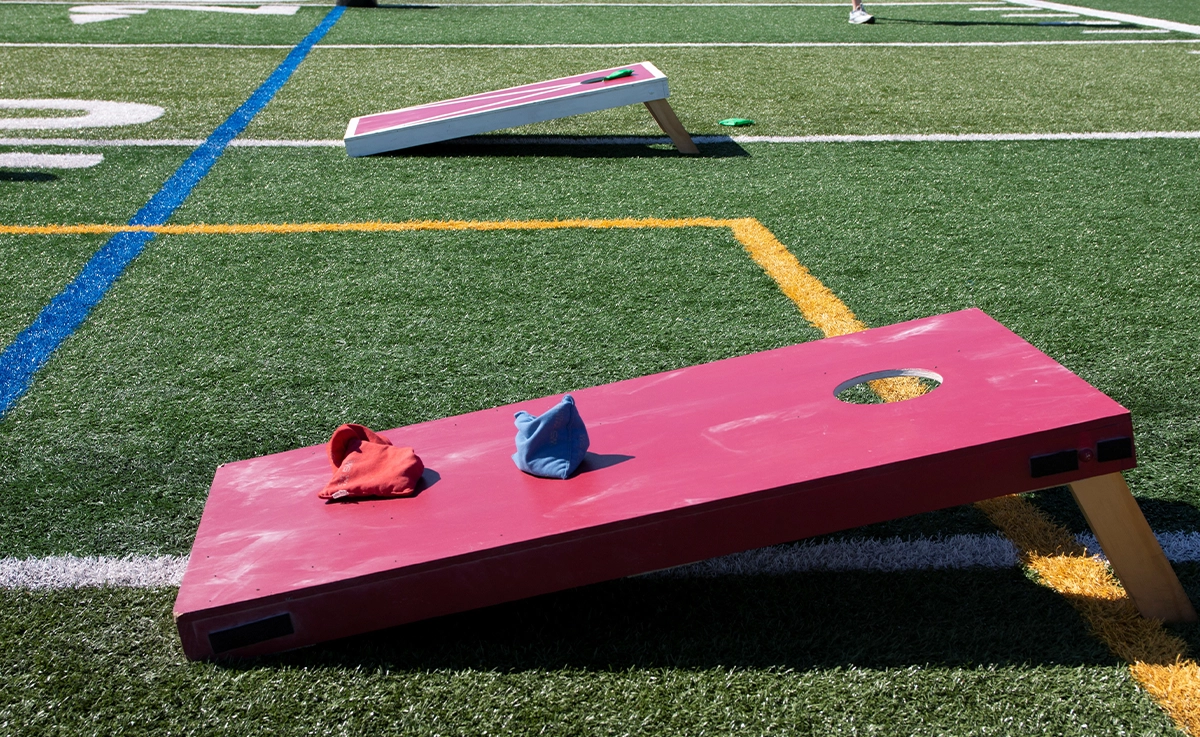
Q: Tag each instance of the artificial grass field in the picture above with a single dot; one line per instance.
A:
(580, 24)
(213, 348)
(825, 92)
(813, 654)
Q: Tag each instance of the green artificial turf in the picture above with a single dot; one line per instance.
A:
(37, 267)
(813, 654)
(128, 176)
(198, 88)
(805, 91)
(51, 23)
(433, 23)
(738, 24)
(217, 348)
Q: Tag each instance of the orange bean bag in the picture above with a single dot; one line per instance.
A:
(366, 464)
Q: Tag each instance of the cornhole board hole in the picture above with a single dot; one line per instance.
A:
(684, 465)
(528, 103)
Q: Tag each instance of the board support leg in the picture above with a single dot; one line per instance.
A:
(1132, 550)
(666, 119)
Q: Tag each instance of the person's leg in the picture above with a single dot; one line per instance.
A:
(858, 15)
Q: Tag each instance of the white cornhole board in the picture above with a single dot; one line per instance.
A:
(529, 103)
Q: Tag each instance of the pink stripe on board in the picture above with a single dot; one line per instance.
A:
(499, 99)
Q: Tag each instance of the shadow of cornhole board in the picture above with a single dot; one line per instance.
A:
(528, 103)
(687, 465)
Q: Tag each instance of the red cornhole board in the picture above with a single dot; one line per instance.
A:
(529, 103)
(685, 465)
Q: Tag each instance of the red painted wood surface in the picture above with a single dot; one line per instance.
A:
(686, 465)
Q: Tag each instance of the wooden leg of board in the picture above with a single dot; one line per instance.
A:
(1132, 550)
(665, 117)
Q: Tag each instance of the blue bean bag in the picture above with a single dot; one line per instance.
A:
(552, 445)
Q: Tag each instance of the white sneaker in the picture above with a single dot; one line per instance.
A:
(859, 15)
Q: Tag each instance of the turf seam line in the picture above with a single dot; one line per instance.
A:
(67, 310)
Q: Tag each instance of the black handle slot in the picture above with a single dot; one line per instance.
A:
(250, 633)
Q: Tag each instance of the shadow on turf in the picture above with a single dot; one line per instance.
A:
(816, 620)
(1163, 515)
(564, 146)
(26, 176)
(968, 23)
(801, 621)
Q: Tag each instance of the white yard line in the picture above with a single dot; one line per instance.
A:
(96, 142)
(51, 45)
(179, 2)
(69, 572)
(286, 143)
(968, 137)
(1127, 30)
(881, 138)
(694, 5)
(764, 44)
(747, 45)
(432, 5)
(890, 555)
(655, 45)
(96, 114)
(896, 555)
(1180, 547)
(1137, 20)
(633, 140)
(22, 160)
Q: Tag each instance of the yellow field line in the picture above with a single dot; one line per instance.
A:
(817, 303)
(1157, 658)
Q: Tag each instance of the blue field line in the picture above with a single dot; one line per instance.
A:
(30, 350)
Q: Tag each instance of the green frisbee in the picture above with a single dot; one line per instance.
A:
(735, 121)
